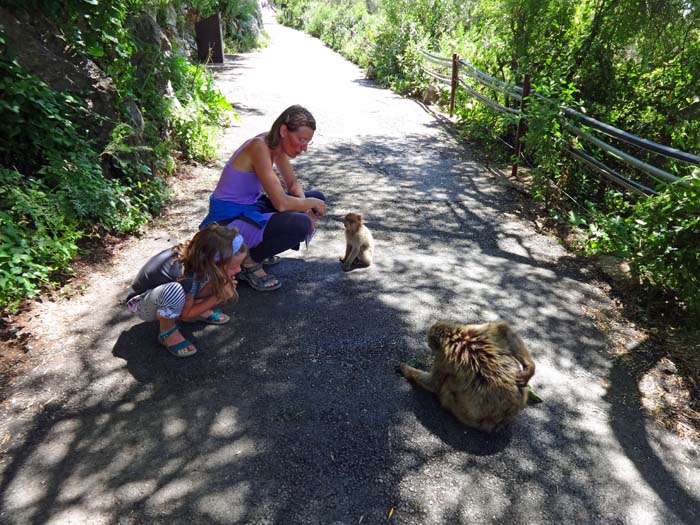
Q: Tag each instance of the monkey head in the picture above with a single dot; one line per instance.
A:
(436, 334)
(352, 222)
(444, 334)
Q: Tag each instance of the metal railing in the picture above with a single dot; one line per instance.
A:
(464, 75)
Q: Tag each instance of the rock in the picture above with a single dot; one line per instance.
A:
(618, 270)
(135, 115)
(431, 94)
(171, 20)
(250, 26)
(146, 29)
(34, 44)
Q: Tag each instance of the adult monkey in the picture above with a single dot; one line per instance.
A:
(480, 372)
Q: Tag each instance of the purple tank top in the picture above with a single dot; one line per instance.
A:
(242, 187)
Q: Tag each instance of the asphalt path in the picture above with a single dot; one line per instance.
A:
(293, 412)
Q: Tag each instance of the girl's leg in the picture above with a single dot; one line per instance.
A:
(174, 340)
(164, 303)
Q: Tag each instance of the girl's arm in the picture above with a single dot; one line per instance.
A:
(262, 165)
(195, 307)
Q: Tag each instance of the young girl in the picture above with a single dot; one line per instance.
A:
(186, 281)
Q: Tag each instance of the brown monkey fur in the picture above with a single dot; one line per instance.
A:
(359, 250)
(477, 372)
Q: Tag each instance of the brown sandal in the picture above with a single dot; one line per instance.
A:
(258, 282)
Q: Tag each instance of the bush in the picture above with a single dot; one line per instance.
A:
(661, 239)
(57, 184)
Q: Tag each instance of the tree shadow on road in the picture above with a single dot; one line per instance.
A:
(632, 430)
(293, 412)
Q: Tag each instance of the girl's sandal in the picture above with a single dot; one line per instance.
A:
(261, 283)
(272, 259)
(215, 317)
(178, 349)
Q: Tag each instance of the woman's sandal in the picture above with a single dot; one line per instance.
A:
(272, 259)
(178, 349)
(215, 317)
(258, 282)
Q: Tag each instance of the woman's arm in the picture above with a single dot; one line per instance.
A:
(289, 177)
(262, 165)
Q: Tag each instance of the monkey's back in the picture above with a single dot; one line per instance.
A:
(479, 384)
(485, 406)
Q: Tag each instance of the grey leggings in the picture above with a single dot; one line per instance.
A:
(164, 301)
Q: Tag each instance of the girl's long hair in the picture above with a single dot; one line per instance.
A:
(208, 255)
(294, 117)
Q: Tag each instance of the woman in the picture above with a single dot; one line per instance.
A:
(185, 282)
(250, 196)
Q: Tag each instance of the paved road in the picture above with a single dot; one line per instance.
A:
(293, 413)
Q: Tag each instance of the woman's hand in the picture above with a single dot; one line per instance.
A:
(318, 207)
(313, 218)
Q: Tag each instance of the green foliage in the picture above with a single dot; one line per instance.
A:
(37, 240)
(58, 182)
(294, 13)
(546, 139)
(197, 112)
(44, 214)
(660, 237)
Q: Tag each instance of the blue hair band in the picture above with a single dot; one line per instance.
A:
(236, 244)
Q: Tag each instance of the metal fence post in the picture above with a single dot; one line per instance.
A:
(453, 84)
(522, 124)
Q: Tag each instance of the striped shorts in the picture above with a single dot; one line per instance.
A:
(164, 301)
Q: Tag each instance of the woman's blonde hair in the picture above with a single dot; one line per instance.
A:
(208, 255)
(294, 117)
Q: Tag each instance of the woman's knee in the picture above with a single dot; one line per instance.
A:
(315, 194)
(300, 226)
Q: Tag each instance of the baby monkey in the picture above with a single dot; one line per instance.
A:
(360, 244)
(480, 372)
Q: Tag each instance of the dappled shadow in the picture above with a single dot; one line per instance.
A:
(293, 412)
(632, 431)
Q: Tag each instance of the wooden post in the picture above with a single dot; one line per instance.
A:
(522, 125)
(453, 84)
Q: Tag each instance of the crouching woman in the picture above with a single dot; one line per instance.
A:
(185, 283)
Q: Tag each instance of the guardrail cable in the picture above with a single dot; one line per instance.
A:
(658, 174)
(516, 93)
(491, 103)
